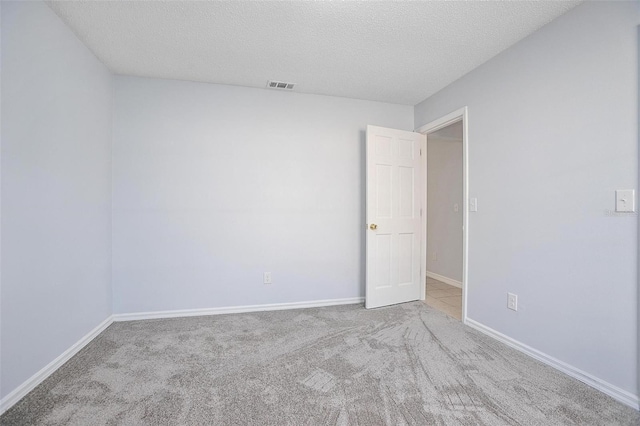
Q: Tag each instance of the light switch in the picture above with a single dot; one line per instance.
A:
(625, 200)
(473, 204)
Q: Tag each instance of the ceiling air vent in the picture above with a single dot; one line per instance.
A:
(281, 85)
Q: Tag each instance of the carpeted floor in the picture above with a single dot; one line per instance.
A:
(344, 365)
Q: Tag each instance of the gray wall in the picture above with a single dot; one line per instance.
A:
(214, 185)
(444, 190)
(56, 124)
(552, 133)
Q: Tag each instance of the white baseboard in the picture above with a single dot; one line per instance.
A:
(613, 391)
(444, 279)
(18, 393)
(236, 309)
(7, 402)
(22, 390)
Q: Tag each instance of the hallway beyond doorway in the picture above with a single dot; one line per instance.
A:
(444, 297)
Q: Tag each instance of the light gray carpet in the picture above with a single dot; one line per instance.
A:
(405, 364)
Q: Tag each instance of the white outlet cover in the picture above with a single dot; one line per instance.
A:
(512, 301)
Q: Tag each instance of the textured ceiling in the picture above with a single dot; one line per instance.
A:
(400, 52)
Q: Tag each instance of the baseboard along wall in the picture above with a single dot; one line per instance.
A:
(613, 391)
(236, 309)
(22, 390)
(16, 395)
(444, 279)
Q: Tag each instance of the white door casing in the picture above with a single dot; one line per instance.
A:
(395, 182)
(460, 114)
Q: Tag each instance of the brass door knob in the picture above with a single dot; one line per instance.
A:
(373, 226)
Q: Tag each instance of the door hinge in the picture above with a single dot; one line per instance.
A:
(420, 152)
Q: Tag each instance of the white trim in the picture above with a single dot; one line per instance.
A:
(460, 114)
(21, 391)
(613, 391)
(26, 387)
(444, 279)
(423, 220)
(236, 309)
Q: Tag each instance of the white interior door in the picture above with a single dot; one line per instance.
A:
(395, 182)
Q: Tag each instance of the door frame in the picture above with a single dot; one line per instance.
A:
(452, 117)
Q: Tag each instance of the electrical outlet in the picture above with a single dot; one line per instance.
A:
(267, 278)
(512, 301)
(434, 256)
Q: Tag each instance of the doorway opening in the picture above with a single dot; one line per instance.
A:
(445, 222)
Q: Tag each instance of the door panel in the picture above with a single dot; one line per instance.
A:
(394, 200)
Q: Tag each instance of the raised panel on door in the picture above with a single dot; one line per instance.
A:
(394, 199)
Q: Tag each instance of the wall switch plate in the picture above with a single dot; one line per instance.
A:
(625, 200)
(267, 278)
(512, 301)
(473, 204)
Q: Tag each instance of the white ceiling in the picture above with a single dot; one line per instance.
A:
(399, 52)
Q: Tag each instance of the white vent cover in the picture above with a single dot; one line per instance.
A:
(272, 84)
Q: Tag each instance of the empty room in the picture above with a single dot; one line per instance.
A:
(309, 213)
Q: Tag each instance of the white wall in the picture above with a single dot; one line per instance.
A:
(444, 190)
(214, 185)
(552, 133)
(56, 123)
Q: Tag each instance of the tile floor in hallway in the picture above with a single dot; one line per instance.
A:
(444, 297)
